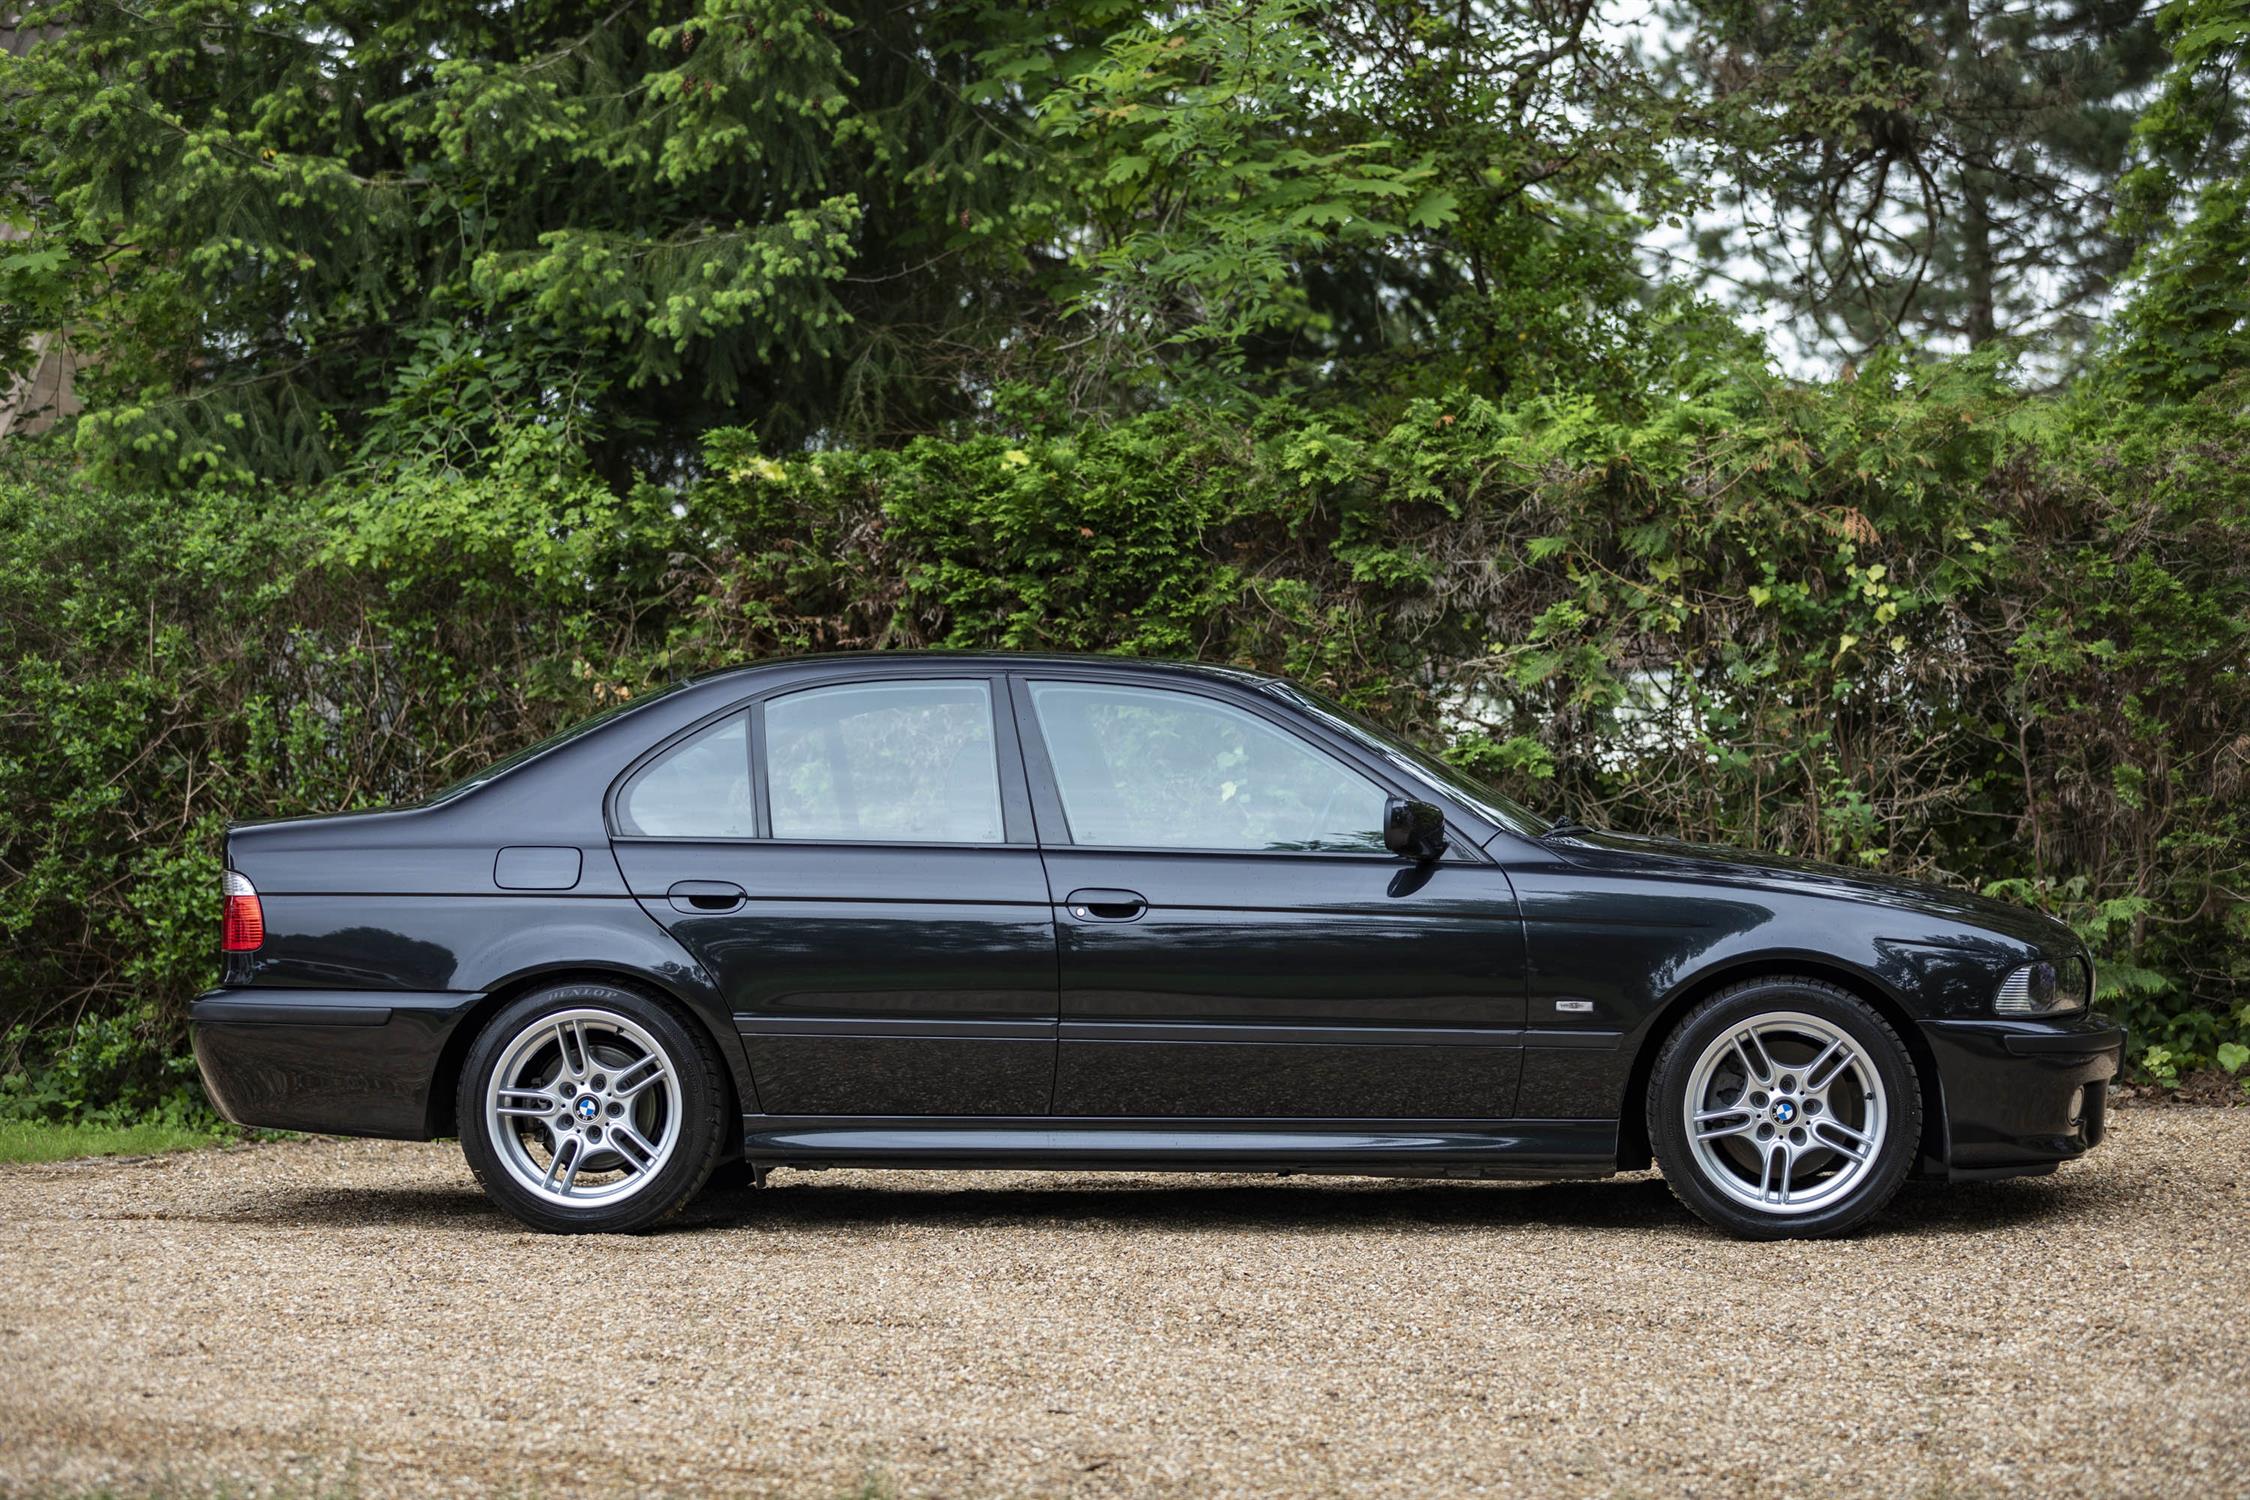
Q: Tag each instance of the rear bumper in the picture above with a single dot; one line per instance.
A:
(346, 1062)
(2022, 1096)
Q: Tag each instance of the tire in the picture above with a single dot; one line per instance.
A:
(1784, 1108)
(589, 1108)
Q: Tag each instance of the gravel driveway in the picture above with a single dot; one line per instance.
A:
(342, 1316)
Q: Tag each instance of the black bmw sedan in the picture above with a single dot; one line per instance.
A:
(1016, 911)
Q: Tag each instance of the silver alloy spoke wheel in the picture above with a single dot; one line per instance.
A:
(584, 1107)
(1785, 1113)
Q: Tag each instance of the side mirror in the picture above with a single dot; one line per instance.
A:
(1413, 830)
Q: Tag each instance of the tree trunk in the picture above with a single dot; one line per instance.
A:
(1979, 319)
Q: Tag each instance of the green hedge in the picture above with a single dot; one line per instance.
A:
(1911, 622)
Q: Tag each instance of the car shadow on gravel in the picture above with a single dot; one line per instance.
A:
(1636, 1203)
(821, 1203)
(805, 1202)
(1251, 1203)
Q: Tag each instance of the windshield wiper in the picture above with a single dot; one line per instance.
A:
(1565, 823)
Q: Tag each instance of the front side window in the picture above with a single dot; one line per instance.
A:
(910, 762)
(1446, 780)
(1145, 768)
(700, 788)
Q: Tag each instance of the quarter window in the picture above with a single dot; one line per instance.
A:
(700, 788)
(908, 762)
(1146, 768)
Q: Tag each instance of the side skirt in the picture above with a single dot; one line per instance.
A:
(1383, 1148)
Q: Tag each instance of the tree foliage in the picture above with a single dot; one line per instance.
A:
(313, 232)
(2186, 326)
(297, 237)
(1942, 173)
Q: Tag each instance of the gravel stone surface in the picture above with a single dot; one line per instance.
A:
(329, 1316)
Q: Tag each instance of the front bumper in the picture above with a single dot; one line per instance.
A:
(344, 1062)
(2022, 1096)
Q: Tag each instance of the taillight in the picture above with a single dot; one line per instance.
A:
(243, 926)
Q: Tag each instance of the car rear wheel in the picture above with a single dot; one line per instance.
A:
(1784, 1108)
(588, 1108)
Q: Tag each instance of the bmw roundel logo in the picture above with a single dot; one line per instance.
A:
(1785, 1111)
(586, 1107)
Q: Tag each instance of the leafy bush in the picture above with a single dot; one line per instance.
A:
(1911, 622)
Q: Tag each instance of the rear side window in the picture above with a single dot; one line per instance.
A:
(908, 762)
(700, 788)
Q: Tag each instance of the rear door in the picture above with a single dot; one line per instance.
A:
(853, 863)
(1236, 941)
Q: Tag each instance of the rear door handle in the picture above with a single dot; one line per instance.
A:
(1106, 905)
(706, 895)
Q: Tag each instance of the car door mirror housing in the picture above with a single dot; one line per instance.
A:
(1413, 830)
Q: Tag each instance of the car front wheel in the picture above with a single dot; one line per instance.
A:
(1784, 1108)
(587, 1108)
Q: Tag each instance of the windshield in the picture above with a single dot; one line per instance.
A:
(507, 763)
(1417, 764)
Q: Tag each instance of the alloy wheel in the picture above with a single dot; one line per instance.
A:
(584, 1107)
(1785, 1113)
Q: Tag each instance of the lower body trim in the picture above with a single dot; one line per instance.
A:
(1475, 1148)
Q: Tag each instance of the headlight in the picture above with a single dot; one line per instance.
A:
(2044, 989)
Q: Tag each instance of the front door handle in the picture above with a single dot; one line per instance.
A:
(706, 895)
(1106, 905)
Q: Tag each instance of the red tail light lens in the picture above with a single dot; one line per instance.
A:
(243, 926)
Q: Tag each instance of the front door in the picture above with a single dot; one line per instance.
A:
(853, 864)
(1236, 941)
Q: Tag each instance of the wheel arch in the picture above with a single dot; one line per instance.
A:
(1633, 1149)
(445, 1082)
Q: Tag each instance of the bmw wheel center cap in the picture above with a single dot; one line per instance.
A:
(587, 1107)
(1785, 1111)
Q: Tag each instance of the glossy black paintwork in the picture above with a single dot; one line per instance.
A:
(1333, 962)
(1034, 1001)
(2019, 1089)
(847, 934)
(370, 1069)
